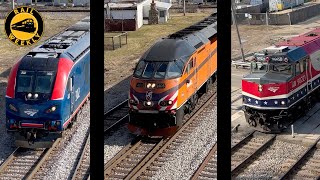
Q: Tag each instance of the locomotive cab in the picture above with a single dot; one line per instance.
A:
(270, 89)
(30, 110)
(153, 96)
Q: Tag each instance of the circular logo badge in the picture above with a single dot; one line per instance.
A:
(24, 26)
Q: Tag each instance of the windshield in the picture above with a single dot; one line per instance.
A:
(259, 67)
(44, 81)
(25, 81)
(159, 70)
(281, 68)
(35, 82)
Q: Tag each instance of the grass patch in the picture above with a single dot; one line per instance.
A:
(139, 41)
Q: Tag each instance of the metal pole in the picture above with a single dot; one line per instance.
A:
(235, 22)
(12, 4)
(184, 7)
(122, 23)
(289, 18)
(267, 19)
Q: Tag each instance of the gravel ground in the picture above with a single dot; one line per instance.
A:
(269, 164)
(60, 166)
(116, 93)
(187, 158)
(114, 143)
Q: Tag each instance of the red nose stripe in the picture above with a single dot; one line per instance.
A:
(12, 80)
(34, 125)
(64, 68)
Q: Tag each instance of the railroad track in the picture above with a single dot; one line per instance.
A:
(307, 166)
(82, 170)
(129, 160)
(247, 149)
(208, 168)
(24, 163)
(116, 116)
(129, 163)
(236, 95)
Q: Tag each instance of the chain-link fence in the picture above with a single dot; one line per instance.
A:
(263, 19)
(288, 17)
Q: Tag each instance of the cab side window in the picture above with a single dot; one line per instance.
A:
(298, 71)
(191, 64)
(303, 66)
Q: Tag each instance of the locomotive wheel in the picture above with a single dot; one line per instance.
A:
(252, 122)
(213, 78)
(195, 100)
(207, 86)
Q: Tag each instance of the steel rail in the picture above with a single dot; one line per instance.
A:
(133, 151)
(79, 164)
(205, 162)
(300, 160)
(43, 159)
(118, 121)
(243, 140)
(245, 162)
(170, 140)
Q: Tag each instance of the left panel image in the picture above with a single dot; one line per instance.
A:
(45, 89)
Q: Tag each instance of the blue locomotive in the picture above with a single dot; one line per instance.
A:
(47, 87)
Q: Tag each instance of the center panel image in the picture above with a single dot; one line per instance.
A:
(164, 103)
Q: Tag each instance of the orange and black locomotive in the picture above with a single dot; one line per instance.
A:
(169, 77)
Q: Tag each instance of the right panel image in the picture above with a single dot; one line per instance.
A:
(160, 90)
(275, 90)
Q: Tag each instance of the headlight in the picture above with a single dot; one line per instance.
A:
(283, 102)
(11, 106)
(166, 103)
(151, 85)
(260, 88)
(132, 101)
(148, 103)
(52, 109)
(58, 123)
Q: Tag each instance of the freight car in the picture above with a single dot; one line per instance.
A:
(170, 76)
(47, 87)
(283, 83)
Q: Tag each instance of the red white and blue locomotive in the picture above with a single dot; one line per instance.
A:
(283, 83)
(48, 86)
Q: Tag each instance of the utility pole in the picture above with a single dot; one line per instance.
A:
(235, 23)
(184, 7)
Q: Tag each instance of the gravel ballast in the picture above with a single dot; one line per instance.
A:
(115, 142)
(63, 161)
(189, 155)
(270, 162)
